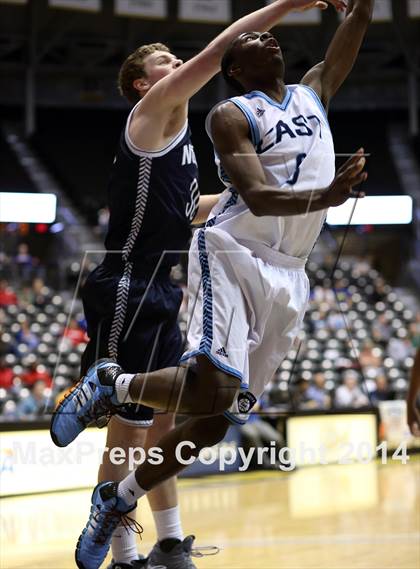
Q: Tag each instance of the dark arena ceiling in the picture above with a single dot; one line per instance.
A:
(72, 57)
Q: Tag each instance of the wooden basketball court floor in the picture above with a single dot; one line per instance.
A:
(329, 517)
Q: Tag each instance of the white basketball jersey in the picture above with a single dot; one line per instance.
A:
(295, 146)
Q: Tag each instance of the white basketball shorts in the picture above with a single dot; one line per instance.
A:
(245, 308)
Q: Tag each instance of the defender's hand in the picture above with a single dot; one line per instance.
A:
(413, 415)
(303, 5)
(348, 176)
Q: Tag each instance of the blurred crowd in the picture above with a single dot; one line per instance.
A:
(21, 267)
(34, 330)
(357, 346)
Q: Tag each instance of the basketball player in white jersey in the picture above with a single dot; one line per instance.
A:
(248, 287)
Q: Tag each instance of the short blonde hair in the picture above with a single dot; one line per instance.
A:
(133, 68)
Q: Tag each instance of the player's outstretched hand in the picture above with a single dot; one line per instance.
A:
(413, 415)
(303, 5)
(413, 398)
(351, 174)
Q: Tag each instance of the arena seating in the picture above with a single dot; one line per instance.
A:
(13, 176)
(340, 322)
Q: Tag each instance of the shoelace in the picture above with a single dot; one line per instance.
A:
(131, 524)
(101, 412)
(113, 518)
(199, 551)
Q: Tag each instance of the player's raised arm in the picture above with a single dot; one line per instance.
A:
(231, 138)
(327, 77)
(179, 87)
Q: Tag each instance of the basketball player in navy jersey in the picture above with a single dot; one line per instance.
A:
(131, 305)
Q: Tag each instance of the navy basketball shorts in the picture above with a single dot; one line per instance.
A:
(135, 321)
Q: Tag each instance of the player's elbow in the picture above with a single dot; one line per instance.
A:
(255, 203)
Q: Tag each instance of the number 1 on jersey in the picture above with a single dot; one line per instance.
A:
(299, 159)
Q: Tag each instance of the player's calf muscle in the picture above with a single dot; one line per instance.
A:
(209, 392)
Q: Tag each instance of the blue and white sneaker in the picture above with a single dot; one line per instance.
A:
(92, 400)
(106, 513)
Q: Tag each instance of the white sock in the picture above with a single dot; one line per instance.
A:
(129, 490)
(124, 544)
(122, 386)
(168, 524)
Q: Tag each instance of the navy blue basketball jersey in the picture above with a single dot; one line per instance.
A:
(153, 198)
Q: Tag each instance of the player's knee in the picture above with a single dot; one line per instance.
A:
(123, 435)
(208, 432)
(162, 424)
(217, 389)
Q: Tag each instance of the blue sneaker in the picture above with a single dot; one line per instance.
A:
(92, 400)
(106, 513)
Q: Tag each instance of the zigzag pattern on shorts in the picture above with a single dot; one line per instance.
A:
(207, 339)
(231, 202)
(120, 310)
(123, 289)
(145, 169)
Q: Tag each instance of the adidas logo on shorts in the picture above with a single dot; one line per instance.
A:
(222, 352)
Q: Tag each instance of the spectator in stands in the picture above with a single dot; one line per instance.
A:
(400, 347)
(381, 330)
(26, 295)
(6, 374)
(319, 319)
(36, 404)
(36, 373)
(362, 266)
(369, 356)
(301, 399)
(75, 334)
(24, 263)
(7, 295)
(321, 294)
(8, 412)
(379, 293)
(25, 336)
(259, 433)
(382, 391)
(349, 395)
(336, 320)
(40, 293)
(317, 394)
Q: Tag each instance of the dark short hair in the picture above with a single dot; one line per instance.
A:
(133, 68)
(227, 61)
